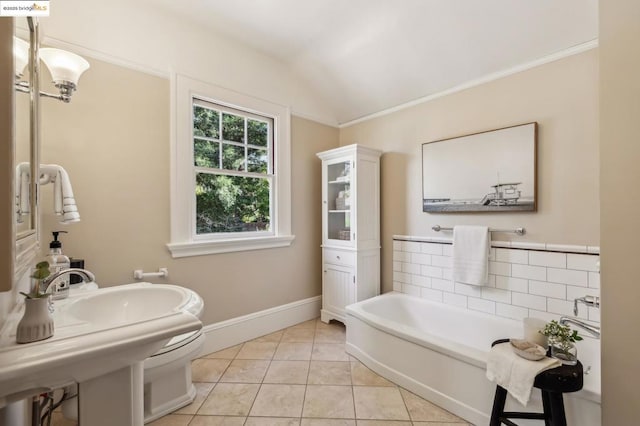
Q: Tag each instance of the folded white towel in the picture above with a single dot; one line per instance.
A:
(515, 373)
(23, 206)
(64, 203)
(471, 254)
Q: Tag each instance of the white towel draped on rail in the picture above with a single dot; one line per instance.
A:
(22, 191)
(471, 254)
(64, 203)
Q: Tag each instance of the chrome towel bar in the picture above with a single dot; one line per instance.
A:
(519, 231)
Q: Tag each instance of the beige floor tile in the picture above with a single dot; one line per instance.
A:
(272, 421)
(305, 324)
(329, 352)
(245, 371)
(383, 423)
(287, 372)
(298, 335)
(422, 410)
(361, 375)
(379, 403)
(330, 335)
(230, 399)
(329, 373)
(272, 337)
(331, 402)
(278, 401)
(293, 351)
(462, 423)
(320, 325)
(202, 391)
(208, 370)
(172, 420)
(217, 421)
(327, 422)
(228, 353)
(57, 419)
(257, 350)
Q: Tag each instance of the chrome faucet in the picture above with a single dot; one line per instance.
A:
(587, 300)
(591, 329)
(47, 284)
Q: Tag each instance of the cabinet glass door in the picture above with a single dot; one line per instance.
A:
(338, 203)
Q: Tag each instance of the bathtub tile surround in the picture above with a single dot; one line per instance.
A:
(525, 279)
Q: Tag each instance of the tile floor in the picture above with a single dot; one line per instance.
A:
(298, 376)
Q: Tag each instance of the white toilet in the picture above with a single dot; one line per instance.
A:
(167, 373)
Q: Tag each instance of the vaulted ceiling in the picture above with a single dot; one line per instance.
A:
(366, 56)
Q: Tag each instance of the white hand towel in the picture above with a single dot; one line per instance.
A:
(515, 373)
(471, 254)
(23, 206)
(64, 203)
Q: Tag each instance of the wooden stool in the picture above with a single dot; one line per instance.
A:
(552, 384)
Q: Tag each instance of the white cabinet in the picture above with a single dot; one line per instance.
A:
(350, 228)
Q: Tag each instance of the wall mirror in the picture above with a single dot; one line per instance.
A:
(483, 172)
(26, 140)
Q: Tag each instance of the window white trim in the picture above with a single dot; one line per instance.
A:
(183, 241)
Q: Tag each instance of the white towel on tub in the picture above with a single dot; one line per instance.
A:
(471, 254)
(515, 373)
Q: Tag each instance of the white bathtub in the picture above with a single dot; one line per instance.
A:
(439, 352)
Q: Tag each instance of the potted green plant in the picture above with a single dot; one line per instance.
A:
(562, 342)
(37, 322)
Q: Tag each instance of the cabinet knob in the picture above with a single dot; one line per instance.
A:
(338, 257)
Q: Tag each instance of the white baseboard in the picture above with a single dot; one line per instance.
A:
(234, 331)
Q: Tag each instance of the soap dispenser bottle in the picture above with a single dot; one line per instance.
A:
(58, 262)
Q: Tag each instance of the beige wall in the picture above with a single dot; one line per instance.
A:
(561, 96)
(6, 155)
(620, 195)
(113, 139)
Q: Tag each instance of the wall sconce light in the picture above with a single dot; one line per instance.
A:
(65, 68)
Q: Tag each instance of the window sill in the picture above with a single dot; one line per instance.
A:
(201, 248)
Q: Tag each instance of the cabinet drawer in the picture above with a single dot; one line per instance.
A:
(339, 257)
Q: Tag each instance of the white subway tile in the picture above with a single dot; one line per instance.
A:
(509, 311)
(401, 277)
(543, 288)
(594, 279)
(397, 266)
(411, 268)
(513, 284)
(455, 299)
(492, 253)
(411, 246)
(528, 246)
(442, 261)
(496, 294)
(512, 256)
(447, 274)
(529, 272)
(401, 256)
(447, 250)
(397, 245)
(444, 285)
(583, 262)
(567, 248)
(594, 314)
(574, 292)
(413, 290)
(435, 295)
(560, 307)
(545, 258)
(483, 305)
(529, 301)
(567, 276)
(500, 268)
(397, 286)
(491, 281)
(421, 280)
(432, 248)
(547, 316)
(422, 259)
(468, 290)
(431, 271)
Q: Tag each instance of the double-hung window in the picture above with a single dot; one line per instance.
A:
(230, 171)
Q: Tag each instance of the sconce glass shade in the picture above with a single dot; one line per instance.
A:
(64, 66)
(20, 55)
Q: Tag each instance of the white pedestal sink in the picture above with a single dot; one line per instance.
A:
(101, 340)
